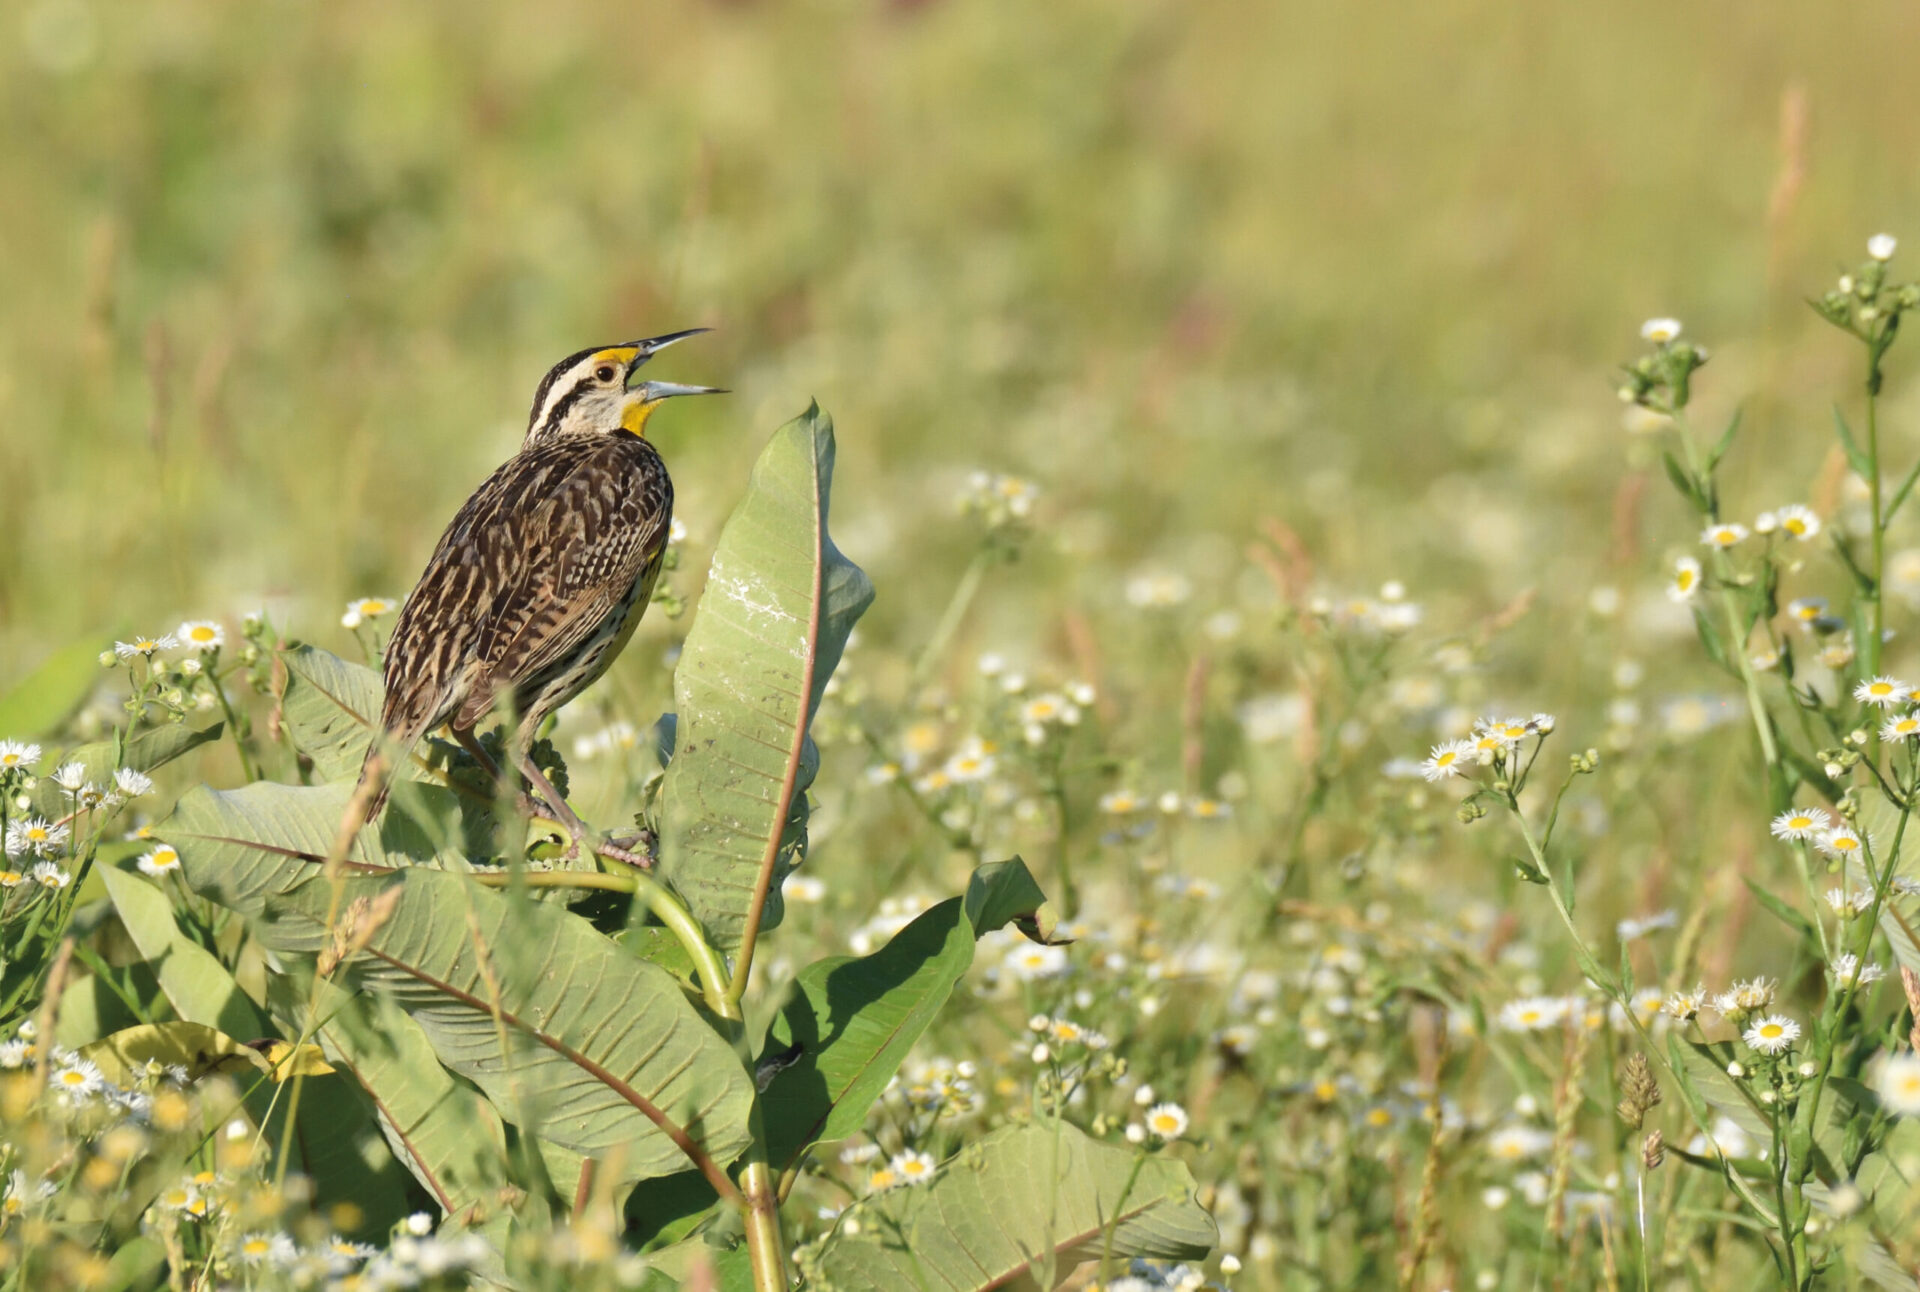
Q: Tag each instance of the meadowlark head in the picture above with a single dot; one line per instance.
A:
(594, 393)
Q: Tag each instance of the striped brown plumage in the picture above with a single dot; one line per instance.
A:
(539, 581)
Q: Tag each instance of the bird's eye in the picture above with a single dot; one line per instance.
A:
(605, 372)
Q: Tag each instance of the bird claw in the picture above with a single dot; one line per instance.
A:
(621, 850)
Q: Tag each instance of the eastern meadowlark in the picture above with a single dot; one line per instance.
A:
(543, 574)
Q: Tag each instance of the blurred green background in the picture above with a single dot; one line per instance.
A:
(278, 279)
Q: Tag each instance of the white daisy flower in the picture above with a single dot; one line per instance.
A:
(1799, 521)
(1842, 841)
(1848, 969)
(201, 634)
(364, 608)
(17, 755)
(1807, 610)
(1772, 1034)
(1168, 1121)
(1449, 759)
(1661, 331)
(1845, 904)
(1121, 802)
(1685, 581)
(1801, 823)
(145, 647)
(1902, 728)
(1533, 1013)
(1723, 535)
(162, 861)
(49, 875)
(1033, 962)
(1883, 691)
(77, 1077)
(32, 836)
(71, 777)
(676, 531)
(1898, 1082)
(1881, 246)
(807, 889)
(913, 1167)
(132, 783)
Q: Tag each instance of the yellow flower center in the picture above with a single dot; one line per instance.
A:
(1379, 1117)
(1880, 688)
(1799, 823)
(73, 1078)
(201, 634)
(1845, 843)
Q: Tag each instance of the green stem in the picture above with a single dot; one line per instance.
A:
(1870, 649)
(760, 1200)
(248, 767)
(951, 617)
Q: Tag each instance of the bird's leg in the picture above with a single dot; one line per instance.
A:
(469, 743)
(575, 826)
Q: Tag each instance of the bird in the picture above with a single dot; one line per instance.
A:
(538, 582)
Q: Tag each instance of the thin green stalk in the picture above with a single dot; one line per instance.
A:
(951, 617)
(1870, 649)
(248, 767)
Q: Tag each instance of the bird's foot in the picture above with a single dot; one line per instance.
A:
(633, 850)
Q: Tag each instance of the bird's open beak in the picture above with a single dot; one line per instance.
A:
(652, 392)
(645, 350)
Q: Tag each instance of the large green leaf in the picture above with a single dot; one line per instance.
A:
(196, 984)
(331, 708)
(1021, 1203)
(241, 845)
(150, 749)
(855, 1020)
(570, 1035)
(440, 1127)
(38, 703)
(779, 603)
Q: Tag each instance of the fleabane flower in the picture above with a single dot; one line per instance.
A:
(1744, 998)
(1686, 1005)
(1883, 691)
(1799, 522)
(1534, 1013)
(1845, 904)
(145, 647)
(1801, 823)
(1772, 1034)
(1807, 610)
(1847, 969)
(32, 836)
(71, 777)
(1842, 841)
(201, 634)
(913, 1166)
(77, 1077)
(18, 756)
(1168, 1121)
(364, 608)
(163, 861)
(1881, 247)
(1121, 802)
(1723, 535)
(48, 874)
(1685, 581)
(132, 783)
(1662, 331)
(1905, 727)
(1898, 1083)
(1449, 759)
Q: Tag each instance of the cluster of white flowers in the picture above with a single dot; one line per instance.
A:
(1001, 500)
(1492, 737)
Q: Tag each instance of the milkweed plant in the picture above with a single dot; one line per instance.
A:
(959, 965)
